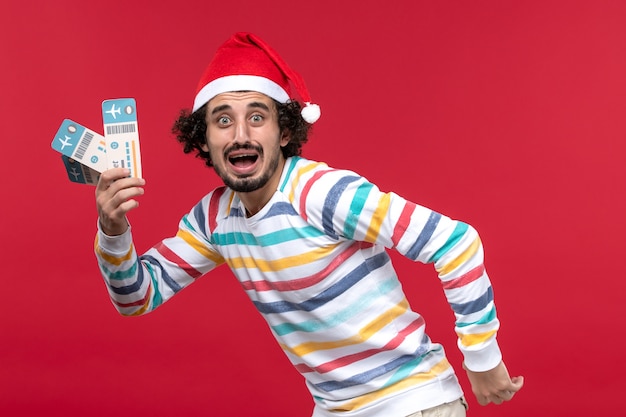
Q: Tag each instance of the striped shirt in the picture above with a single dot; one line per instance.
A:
(314, 262)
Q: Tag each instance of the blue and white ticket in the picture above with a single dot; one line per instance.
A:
(86, 154)
(122, 135)
(80, 173)
(81, 144)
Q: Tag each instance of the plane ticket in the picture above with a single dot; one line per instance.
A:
(81, 144)
(86, 154)
(122, 135)
(80, 173)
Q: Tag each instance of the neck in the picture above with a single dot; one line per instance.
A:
(255, 200)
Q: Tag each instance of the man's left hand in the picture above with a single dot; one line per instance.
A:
(494, 386)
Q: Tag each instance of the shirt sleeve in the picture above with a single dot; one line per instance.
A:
(354, 208)
(139, 284)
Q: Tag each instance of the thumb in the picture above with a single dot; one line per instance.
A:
(517, 382)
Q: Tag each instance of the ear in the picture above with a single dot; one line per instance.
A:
(285, 137)
(205, 147)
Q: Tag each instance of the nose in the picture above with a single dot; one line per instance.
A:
(242, 135)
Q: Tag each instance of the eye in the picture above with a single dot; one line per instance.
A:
(256, 118)
(223, 121)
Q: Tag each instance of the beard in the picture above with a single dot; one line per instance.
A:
(248, 184)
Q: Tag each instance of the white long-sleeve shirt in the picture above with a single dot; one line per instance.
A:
(314, 263)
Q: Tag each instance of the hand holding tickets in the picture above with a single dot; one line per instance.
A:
(86, 154)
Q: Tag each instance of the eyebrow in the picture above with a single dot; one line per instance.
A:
(254, 105)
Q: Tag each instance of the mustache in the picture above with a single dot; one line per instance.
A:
(239, 146)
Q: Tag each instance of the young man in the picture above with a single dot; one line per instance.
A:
(308, 244)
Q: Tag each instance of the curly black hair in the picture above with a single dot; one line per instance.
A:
(190, 130)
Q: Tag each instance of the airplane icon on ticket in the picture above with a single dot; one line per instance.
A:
(74, 173)
(65, 142)
(114, 111)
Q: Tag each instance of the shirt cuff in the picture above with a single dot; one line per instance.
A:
(114, 245)
(484, 359)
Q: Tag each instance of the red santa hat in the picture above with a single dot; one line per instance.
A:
(247, 63)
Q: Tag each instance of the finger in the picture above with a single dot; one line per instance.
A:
(126, 190)
(506, 395)
(491, 399)
(118, 192)
(109, 199)
(482, 400)
(109, 176)
(127, 206)
(117, 214)
(517, 382)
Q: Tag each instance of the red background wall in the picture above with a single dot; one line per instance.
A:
(507, 115)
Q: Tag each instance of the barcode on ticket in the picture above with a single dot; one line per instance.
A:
(119, 129)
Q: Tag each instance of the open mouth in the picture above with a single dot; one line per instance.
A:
(243, 160)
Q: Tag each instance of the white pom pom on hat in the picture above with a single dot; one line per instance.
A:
(311, 112)
(246, 63)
